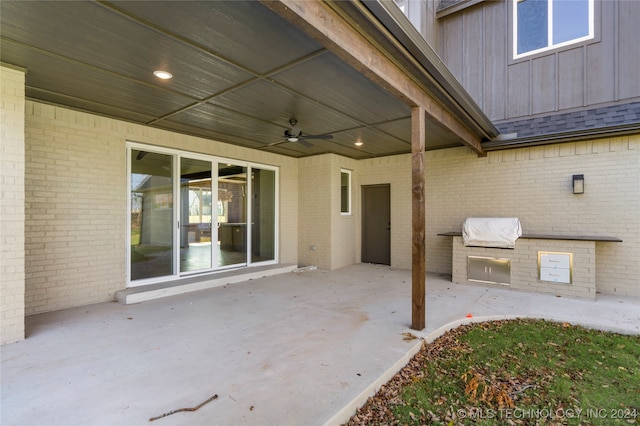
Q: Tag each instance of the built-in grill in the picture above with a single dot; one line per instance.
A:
(485, 251)
(499, 232)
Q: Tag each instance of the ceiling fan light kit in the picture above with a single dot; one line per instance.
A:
(295, 134)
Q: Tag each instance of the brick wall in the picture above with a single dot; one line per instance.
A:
(76, 202)
(75, 208)
(343, 227)
(534, 184)
(320, 209)
(12, 165)
(288, 207)
(524, 266)
(314, 211)
(396, 171)
(327, 238)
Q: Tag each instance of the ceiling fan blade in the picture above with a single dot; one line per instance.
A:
(276, 143)
(295, 135)
(300, 141)
(325, 137)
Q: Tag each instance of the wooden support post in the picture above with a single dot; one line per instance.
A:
(418, 218)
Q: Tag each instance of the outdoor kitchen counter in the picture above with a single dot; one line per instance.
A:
(523, 267)
(550, 237)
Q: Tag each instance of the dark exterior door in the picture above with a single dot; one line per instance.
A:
(376, 224)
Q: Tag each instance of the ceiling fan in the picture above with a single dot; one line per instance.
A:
(295, 135)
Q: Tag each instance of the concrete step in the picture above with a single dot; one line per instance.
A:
(199, 282)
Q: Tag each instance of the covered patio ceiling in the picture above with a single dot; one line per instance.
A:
(241, 70)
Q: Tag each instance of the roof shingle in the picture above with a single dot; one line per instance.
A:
(596, 118)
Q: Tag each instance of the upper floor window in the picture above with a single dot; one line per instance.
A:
(402, 4)
(541, 25)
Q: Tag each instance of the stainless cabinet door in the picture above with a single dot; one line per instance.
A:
(489, 270)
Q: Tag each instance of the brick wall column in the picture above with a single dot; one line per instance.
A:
(12, 203)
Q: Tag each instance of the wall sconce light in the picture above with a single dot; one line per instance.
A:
(578, 184)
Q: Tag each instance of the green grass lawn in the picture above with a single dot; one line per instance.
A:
(515, 372)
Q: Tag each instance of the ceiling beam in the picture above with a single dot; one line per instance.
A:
(321, 22)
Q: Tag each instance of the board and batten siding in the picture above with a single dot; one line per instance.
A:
(475, 43)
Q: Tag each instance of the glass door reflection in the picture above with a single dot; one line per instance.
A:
(151, 209)
(232, 215)
(263, 211)
(195, 215)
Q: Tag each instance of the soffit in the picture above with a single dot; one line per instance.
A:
(241, 72)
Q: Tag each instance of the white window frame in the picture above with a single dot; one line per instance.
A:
(550, 45)
(402, 5)
(348, 173)
(176, 154)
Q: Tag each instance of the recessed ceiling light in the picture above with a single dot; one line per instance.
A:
(359, 143)
(163, 75)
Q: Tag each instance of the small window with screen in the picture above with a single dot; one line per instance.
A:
(345, 192)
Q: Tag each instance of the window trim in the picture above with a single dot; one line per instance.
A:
(177, 154)
(349, 198)
(550, 46)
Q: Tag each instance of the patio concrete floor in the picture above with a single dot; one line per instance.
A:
(293, 349)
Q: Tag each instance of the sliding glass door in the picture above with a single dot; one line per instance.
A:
(232, 214)
(151, 215)
(263, 214)
(183, 224)
(195, 215)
